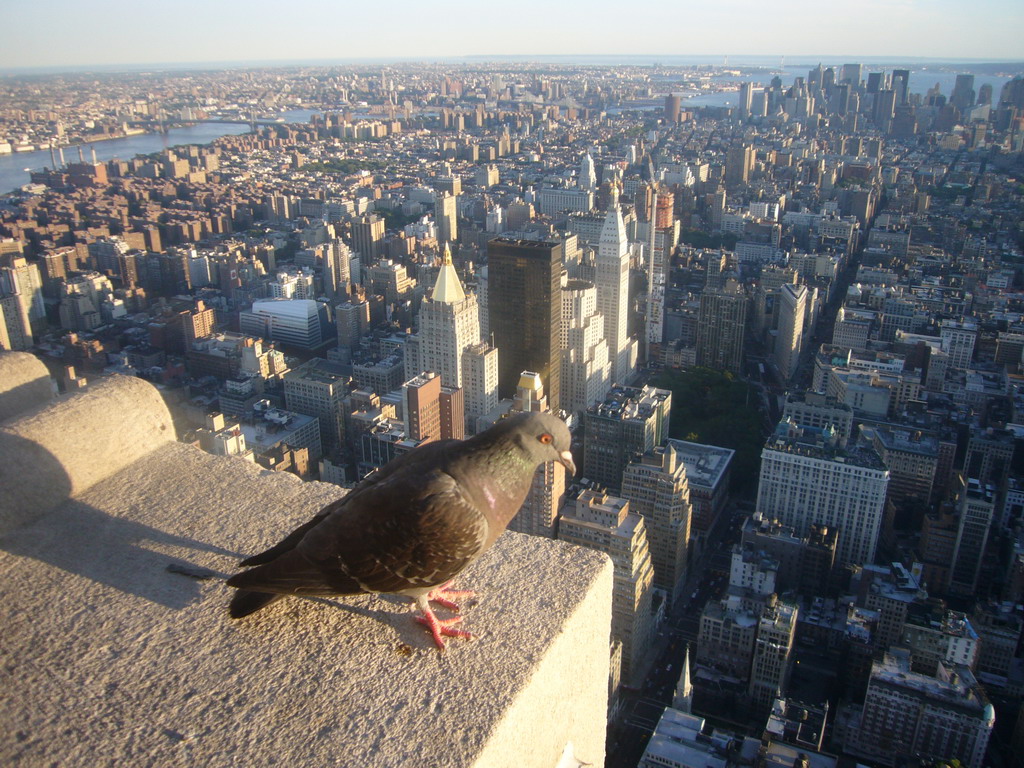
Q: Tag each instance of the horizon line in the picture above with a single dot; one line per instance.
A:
(655, 59)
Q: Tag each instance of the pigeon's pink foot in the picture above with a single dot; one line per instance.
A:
(441, 595)
(441, 628)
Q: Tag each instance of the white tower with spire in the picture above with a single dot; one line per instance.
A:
(448, 323)
(612, 278)
(682, 699)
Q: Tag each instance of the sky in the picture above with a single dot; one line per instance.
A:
(61, 33)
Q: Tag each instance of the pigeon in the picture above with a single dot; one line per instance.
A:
(413, 526)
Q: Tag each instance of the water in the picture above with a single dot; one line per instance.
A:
(14, 175)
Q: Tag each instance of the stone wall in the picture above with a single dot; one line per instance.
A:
(118, 650)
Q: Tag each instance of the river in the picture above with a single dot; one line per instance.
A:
(15, 167)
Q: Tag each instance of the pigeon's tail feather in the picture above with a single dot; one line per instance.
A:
(246, 601)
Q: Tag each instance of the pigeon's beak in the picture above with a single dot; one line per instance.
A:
(565, 458)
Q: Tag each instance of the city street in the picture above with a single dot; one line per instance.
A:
(642, 707)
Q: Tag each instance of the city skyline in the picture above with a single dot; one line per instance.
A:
(57, 34)
(776, 303)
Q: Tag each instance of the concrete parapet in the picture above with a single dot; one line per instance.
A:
(118, 649)
(66, 448)
(24, 384)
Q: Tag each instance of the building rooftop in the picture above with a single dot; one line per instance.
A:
(319, 370)
(954, 685)
(448, 288)
(941, 620)
(298, 308)
(821, 444)
(272, 427)
(679, 739)
(759, 525)
(779, 755)
(894, 582)
(630, 403)
(520, 243)
(705, 464)
(907, 441)
(731, 609)
(797, 723)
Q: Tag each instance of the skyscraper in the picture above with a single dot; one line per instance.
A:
(672, 104)
(352, 319)
(586, 370)
(958, 339)
(990, 456)
(612, 278)
(20, 277)
(851, 73)
(432, 411)
(738, 163)
(746, 99)
(629, 422)
(792, 308)
(337, 270)
(422, 407)
(525, 312)
(368, 237)
(841, 98)
(15, 328)
(807, 478)
(885, 108)
(770, 665)
(605, 523)
(300, 323)
(655, 484)
(900, 84)
(480, 382)
(939, 718)
(976, 507)
(721, 328)
(318, 388)
(588, 178)
(448, 323)
(446, 213)
(962, 96)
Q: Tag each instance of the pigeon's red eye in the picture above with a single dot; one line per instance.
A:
(546, 438)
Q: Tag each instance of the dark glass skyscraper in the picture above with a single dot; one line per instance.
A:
(524, 296)
(721, 329)
(902, 77)
(963, 92)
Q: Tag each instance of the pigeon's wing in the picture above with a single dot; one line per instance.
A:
(288, 542)
(409, 531)
(424, 456)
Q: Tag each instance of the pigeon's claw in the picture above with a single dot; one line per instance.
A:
(442, 594)
(441, 628)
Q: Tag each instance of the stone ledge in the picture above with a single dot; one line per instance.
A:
(24, 384)
(73, 443)
(118, 648)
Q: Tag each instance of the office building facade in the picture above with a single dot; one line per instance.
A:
(525, 312)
